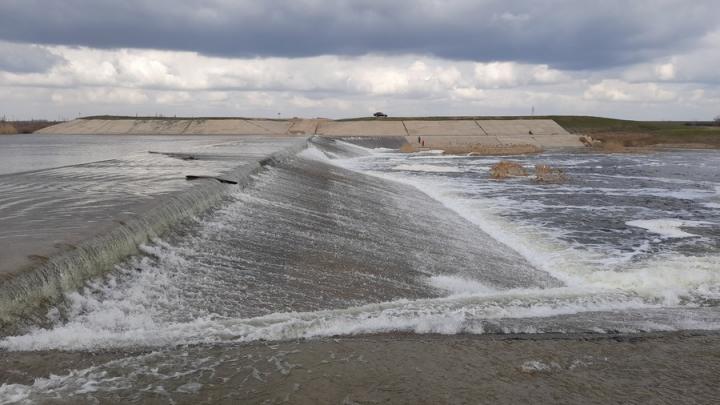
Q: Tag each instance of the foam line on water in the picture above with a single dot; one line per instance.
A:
(672, 278)
(460, 285)
(428, 168)
(132, 317)
(314, 153)
(667, 227)
(124, 326)
(543, 255)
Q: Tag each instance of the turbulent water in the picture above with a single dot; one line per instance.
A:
(345, 240)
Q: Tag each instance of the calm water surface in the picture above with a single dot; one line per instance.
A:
(26, 152)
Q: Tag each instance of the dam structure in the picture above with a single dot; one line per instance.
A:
(541, 133)
(314, 261)
(64, 225)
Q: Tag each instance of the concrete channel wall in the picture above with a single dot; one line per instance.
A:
(161, 126)
(543, 133)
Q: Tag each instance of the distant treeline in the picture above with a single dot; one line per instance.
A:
(24, 127)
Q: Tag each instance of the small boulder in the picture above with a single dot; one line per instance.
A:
(505, 169)
(548, 174)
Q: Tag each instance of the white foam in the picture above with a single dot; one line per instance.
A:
(541, 252)
(428, 168)
(667, 227)
(139, 371)
(430, 152)
(531, 366)
(15, 393)
(670, 279)
(133, 316)
(313, 153)
(460, 285)
(463, 314)
(667, 279)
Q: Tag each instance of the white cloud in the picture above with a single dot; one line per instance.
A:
(665, 71)
(469, 93)
(496, 74)
(129, 81)
(511, 74)
(618, 90)
(173, 97)
(99, 95)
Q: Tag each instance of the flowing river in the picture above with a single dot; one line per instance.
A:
(342, 241)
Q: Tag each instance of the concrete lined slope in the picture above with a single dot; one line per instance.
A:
(521, 127)
(498, 127)
(114, 127)
(440, 141)
(434, 133)
(362, 128)
(170, 127)
(160, 127)
(454, 128)
(541, 133)
(236, 127)
(271, 127)
(219, 127)
(305, 127)
(80, 127)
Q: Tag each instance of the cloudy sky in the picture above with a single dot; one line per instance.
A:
(642, 59)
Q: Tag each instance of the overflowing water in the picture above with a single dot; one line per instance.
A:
(345, 240)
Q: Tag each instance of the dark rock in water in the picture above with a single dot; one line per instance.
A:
(182, 156)
(224, 181)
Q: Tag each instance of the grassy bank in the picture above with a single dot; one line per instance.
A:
(643, 133)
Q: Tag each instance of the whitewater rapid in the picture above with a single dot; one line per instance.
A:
(338, 243)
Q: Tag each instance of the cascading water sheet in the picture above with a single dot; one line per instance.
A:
(344, 240)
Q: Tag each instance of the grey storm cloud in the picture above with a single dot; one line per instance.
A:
(22, 58)
(567, 34)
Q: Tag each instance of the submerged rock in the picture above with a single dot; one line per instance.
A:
(505, 169)
(548, 174)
